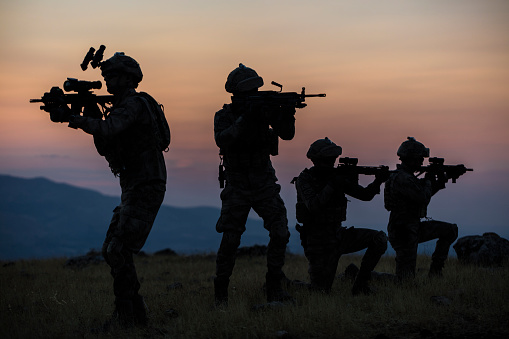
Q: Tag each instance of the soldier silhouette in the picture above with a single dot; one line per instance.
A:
(247, 134)
(129, 138)
(407, 198)
(321, 208)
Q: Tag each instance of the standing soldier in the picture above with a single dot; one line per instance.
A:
(131, 138)
(321, 208)
(247, 134)
(407, 198)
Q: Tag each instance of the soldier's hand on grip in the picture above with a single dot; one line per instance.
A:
(382, 175)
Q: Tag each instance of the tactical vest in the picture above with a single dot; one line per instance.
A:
(253, 154)
(393, 203)
(332, 214)
(123, 150)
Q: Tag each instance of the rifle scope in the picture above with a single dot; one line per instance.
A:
(75, 85)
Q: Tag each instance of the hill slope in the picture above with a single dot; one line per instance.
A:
(40, 218)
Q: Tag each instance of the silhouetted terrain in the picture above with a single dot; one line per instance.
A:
(40, 218)
(51, 299)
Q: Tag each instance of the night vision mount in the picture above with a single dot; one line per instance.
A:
(93, 58)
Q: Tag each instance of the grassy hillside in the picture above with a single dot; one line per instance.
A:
(45, 299)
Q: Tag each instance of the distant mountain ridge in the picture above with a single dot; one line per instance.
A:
(40, 218)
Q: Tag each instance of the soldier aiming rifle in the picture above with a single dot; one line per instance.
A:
(321, 208)
(131, 134)
(407, 197)
(247, 132)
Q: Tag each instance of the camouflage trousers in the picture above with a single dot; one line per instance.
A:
(236, 204)
(323, 253)
(129, 228)
(405, 237)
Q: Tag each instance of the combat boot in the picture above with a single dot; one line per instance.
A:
(124, 312)
(221, 291)
(435, 270)
(361, 283)
(274, 290)
(140, 311)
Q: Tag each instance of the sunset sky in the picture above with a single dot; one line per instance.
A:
(435, 70)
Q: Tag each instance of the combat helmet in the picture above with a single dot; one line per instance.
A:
(412, 148)
(242, 79)
(123, 64)
(323, 148)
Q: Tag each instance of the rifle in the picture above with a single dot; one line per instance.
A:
(436, 167)
(348, 167)
(277, 98)
(83, 100)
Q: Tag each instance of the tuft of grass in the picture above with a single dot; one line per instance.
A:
(44, 299)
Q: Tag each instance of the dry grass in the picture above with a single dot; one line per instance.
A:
(43, 299)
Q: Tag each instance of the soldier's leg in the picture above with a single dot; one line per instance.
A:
(356, 239)
(321, 268)
(446, 233)
(225, 261)
(129, 229)
(125, 287)
(404, 239)
(273, 212)
(231, 223)
(117, 258)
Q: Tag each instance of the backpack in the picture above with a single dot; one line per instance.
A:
(160, 125)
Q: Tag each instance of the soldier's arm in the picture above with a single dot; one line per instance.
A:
(362, 193)
(226, 131)
(314, 200)
(118, 120)
(284, 124)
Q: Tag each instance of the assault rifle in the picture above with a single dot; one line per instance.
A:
(83, 100)
(277, 98)
(348, 167)
(436, 167)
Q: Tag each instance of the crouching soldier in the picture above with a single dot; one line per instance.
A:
(321, 208)
(407, 198)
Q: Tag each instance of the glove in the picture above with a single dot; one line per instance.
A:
(287, 110)
(441, 180)
(430, 176)
(76, 121)
(382, 176)
(59, 113)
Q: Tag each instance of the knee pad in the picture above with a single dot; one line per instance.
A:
(380, 241)
(112, 253)
(104, 251)
(280, 238)
(453, 233)
(230, 242)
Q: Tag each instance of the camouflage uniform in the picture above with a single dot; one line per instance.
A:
(126, 139)
(246, 140)
(321, 207)
(407, 198)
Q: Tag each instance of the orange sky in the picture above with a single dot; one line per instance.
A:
(436, 70)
